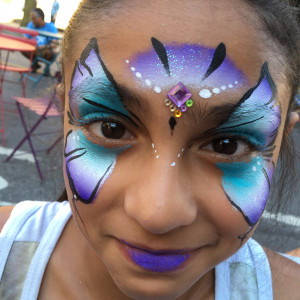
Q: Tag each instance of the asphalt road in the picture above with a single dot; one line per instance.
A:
(19, 179)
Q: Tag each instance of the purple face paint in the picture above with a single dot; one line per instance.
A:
(256, 119)
(207, 70)
(155, 261)
(191, 66)
(92, 98)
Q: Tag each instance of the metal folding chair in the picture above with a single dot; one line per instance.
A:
(9, 41)
(55, 52)
(44, 107)
(46, 72)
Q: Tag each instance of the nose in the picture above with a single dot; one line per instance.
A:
(160, 198)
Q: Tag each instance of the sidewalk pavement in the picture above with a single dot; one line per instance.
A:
(19, 179)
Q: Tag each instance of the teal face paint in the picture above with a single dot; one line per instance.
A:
(247, 184)
(93, 97)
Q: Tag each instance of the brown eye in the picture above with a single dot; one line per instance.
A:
(225, 146)
(112, 130)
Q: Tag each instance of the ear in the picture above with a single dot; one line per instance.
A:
(60, 92)
(294, 118)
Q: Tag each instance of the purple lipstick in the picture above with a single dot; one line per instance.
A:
(155, 261)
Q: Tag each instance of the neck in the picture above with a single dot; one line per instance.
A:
(42, 24)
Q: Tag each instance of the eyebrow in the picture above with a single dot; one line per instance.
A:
(216, 114)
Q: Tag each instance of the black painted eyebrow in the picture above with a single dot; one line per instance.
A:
(218, 58)
(161, 53)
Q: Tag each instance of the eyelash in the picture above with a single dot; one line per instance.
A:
(253, 147)
(86, 123)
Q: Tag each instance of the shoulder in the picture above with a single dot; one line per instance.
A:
(285, 276)
(5, 212)
(30, 25)
(51, 27)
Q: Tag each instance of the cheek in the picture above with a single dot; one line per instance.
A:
(87, 165)
(247, 186)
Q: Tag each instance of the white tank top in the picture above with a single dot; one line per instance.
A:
(33, 229)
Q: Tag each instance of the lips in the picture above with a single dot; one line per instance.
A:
(155, 261)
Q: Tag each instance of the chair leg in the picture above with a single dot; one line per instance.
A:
(54, 144)
(2, 128)
(27, 137)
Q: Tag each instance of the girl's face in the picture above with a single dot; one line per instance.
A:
(173, 124)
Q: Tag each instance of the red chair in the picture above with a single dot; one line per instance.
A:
(10, 42)
(44, 107)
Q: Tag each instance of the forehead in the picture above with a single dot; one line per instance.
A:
(199, 26)
(128, 30)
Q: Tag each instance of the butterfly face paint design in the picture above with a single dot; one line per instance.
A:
(247, 184)
(92, 98)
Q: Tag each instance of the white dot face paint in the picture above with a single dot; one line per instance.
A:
(138, 75)
(127, 61)
(205, 93)
(173, 164)
(230, 86)
(236, 82)
(148, 82)
(254, 169)
(132, 69)
(157, 156)
(223, 88)
(153, 146)
(216, 91)
(157, 89)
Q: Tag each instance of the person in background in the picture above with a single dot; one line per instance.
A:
(54, 10)
(45, 45)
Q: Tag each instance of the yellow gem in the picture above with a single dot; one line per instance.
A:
(172, 108)
(177, 113)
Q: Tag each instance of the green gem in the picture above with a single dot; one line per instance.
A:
(189, 103)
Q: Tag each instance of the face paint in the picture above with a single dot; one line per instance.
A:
(196, 66)
(179, 68)
(92, 98)
(155, 261)
(247, 184)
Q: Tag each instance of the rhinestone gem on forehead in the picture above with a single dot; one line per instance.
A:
(179, 95)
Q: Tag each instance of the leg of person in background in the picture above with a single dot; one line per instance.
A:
(34, 65)
(44, 52)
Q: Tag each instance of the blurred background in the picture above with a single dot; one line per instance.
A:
(19, 177)
(12, 11)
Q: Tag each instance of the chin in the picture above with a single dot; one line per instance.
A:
(150, 289)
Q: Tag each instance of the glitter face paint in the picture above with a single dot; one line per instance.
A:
(155, 261)
(92, 98)
(247, 184)
(207, 70)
